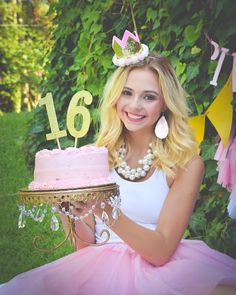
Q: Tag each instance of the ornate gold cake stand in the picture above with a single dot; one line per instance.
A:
(94, 194)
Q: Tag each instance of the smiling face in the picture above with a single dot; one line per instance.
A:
(140, 104)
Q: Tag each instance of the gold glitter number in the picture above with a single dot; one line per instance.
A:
(74, 110)
(56, 133)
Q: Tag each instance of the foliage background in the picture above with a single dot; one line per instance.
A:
(24, 41)
(80, 58)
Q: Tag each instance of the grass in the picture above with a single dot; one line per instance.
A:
(17, 251)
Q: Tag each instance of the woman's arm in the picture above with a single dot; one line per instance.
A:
(158, 246)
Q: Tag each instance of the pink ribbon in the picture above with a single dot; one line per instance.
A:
(216, 50)
(219, 65)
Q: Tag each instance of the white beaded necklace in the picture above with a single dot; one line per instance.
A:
(134, 173)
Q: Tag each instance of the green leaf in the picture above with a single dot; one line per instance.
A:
(165, 39)
(192, 71)
(95, 28)
(183, 78)
(191, 33)
(181, 50)
(180, 67)
(198, 222)
(210, 169)
(151, 14)
(208, 150)
(195, 50)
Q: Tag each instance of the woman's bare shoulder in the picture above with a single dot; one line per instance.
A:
(193, 166)
(196, 163)
(193, 170)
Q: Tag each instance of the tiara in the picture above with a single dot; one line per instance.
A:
(129, 50)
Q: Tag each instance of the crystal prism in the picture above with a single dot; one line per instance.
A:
(39, 215)
(21, 220)
(115, 213)
(54, 223)
(105, 217)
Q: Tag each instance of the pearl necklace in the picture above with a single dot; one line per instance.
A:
(134, 173)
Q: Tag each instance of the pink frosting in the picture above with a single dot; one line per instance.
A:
(71, 151)
(60, 184)
(71, 168)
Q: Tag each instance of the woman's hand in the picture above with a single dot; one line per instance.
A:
(79, 208)
(84, 227)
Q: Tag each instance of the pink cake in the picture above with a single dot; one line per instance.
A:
(70, 168)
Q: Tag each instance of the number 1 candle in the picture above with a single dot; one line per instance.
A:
(55, 132)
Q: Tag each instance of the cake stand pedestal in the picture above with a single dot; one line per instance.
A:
(34, 204)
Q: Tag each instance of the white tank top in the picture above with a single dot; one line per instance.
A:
(140, 201)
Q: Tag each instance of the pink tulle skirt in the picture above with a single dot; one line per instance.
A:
(226, 157)
(195, 269)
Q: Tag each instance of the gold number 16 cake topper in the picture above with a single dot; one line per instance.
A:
(72, 112)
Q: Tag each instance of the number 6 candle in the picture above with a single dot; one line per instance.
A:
(74, 110)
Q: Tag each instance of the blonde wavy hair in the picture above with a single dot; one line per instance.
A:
(180, 146)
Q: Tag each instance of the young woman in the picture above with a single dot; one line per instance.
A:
(153, 158)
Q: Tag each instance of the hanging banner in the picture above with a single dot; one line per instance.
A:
(198, 125)
(220, 112)
(221, 52)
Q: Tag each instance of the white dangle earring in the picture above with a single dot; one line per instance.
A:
(162, 128)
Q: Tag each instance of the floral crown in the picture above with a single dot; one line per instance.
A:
(129, 50)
